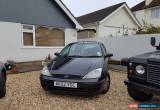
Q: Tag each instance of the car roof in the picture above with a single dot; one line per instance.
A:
(96, 42)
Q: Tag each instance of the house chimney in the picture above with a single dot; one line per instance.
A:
(148, 2)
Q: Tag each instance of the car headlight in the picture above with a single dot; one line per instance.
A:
(45, 71)
(140, 69)
(93, 74)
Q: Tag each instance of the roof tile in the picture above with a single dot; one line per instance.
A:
(98, 15)
(142, 5)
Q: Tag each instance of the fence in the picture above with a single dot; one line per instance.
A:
(127, 46)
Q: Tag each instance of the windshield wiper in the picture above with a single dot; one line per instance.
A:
(76, 56)
(84, 56)
(93, 56)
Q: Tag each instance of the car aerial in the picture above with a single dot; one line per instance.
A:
(144, 74)
(81, 67)
(3, 77)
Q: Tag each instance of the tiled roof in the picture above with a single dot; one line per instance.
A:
(98, 15)
(142, 5)
(139, 6)
(154, 3)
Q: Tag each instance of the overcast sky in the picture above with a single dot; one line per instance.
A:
(81, 7)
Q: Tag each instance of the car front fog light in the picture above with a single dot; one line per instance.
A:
(140, 69)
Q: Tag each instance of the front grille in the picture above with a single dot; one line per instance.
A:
(153, 72)
(62, 76)
(82, 90)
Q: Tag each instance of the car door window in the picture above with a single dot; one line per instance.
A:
(104, 49)
(65, 51)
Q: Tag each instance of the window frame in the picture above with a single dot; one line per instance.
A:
(28, 31)
(33, 31)
(155, 13)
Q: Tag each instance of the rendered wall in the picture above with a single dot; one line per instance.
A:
(11, 45)
(127, 46)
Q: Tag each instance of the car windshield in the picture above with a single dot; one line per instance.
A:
(82, 50)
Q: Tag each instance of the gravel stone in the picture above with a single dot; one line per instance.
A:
(25, 93)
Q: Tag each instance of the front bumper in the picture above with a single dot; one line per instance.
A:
(85, 86)
(143, 87)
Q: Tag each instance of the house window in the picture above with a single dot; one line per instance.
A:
(38, 36)
(49, 37)
(155, 13)
(28, 39)
(28, 35)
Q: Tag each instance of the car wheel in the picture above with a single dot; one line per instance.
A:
(2, 85)
(106, 84)
(44, 86)
(139, 95)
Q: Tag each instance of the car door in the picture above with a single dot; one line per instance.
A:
(105, 66)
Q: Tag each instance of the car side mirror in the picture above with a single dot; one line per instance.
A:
(8, 66)
(153, 41)
(109, 55)
(57, 54)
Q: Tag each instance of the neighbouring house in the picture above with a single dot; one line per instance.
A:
(86, 33)
(115, 20)
(31, 29)
(148, 12)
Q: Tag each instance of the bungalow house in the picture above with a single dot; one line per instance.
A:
(148, 11)
(115, 20)
(31, 29)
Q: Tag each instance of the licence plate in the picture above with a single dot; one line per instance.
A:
(65, 84)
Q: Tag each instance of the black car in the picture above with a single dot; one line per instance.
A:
(3, 77)
(81, 67)
(144, 75)
(2, 80)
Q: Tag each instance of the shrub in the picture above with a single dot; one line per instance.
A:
(148, 29)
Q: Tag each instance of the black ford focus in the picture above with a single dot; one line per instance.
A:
(80, 67)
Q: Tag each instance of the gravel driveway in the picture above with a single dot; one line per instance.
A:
(25, 93)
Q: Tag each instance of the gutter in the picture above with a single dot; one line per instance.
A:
(68, 12)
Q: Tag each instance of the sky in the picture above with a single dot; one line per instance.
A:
(82, 7)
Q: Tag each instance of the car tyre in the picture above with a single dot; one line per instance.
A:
(2, 85)
(106, 84)
(139, 95)
(44, 86)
